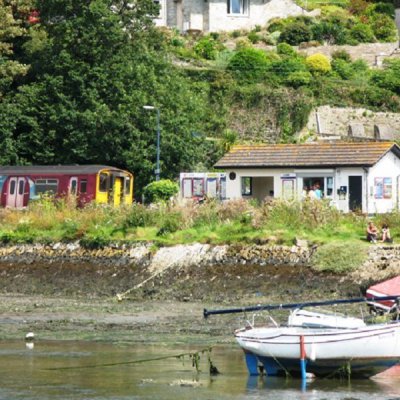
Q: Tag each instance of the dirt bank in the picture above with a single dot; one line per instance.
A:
(78, 301)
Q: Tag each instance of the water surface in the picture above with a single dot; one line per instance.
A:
(76, 370)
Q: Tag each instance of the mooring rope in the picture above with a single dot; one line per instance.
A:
(194, 355)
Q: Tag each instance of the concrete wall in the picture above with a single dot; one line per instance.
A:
(336, 121)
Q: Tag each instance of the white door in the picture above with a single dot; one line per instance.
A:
(73, 186)
(15, 193)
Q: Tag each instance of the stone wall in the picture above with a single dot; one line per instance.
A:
(372, 53)
(157, 261)
(355, 123)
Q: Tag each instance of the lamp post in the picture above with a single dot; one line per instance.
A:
(157, 171)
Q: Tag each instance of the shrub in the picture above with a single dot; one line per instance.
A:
(362, 33)
(342, 68)
(295, 33)
(341, 55)
(384, 28)
(389, 77)
(171, 223)
(318, 64)
(381, 8)
(254, 37)
(249, 64)
(138, 215)
(276, 25)
(285, 49)
(207, 48)
(243, 43)
(339, 257)
(298, 78)
(161, 190)
(330, 31)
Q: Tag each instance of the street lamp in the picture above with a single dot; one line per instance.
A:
(157, 171)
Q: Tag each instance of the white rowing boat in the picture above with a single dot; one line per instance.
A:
(360, 351)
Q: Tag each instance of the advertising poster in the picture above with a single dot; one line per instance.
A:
(379, 188)
(387, 188)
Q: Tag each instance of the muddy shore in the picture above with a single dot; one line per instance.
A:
(70, 301)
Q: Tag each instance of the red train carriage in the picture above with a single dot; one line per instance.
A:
(100, 183)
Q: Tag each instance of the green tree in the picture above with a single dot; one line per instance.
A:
(83, 99)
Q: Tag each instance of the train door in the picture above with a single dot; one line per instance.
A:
(73, 186)
(103, 185)
(117, 190)
(15, 193)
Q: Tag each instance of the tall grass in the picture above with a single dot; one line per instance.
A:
(212, 222)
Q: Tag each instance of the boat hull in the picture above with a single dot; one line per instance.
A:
(360, 352)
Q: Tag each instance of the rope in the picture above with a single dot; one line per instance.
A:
(194, 355)
(121, 296)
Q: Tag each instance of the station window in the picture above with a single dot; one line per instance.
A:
(247, 186)
(46, 186)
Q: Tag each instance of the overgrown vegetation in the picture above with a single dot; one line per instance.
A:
(340, 238)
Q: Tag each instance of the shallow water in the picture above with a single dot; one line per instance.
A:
(76, 370)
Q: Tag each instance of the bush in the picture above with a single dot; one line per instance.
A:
(161, 190)
(342, 68)
(285, 49)
(298, 78)
(341, 55)
(362, 33)
(330, 31)
(384, 28)
(138, 215)
(295, 33)
(389, 77)
(381, 8)
(318, 64)
(207, 48)
(254, 37)
(171, 223)
(249, 64)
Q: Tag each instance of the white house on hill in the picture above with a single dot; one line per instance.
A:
(355, 176)
(223, 15)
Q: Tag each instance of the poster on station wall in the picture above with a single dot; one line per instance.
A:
(387, 188)
(379, 188)
(288, 188)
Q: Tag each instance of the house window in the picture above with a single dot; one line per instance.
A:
(46, 186)
(238, 7)
(83, 187)
(247, 186)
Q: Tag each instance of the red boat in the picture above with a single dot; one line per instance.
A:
(390, 287)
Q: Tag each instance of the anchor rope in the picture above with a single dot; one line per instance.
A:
(140, 361)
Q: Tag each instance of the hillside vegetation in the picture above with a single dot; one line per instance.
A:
(74, 82)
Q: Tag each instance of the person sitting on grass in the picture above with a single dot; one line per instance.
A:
(372, 232)
(386, 237)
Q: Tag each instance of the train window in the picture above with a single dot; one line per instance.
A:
(103, 186)
(127, 185)
(46, 186)
(21, 186)
(12, 187)
(83, 187)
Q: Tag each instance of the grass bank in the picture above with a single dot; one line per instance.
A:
(233, 222)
